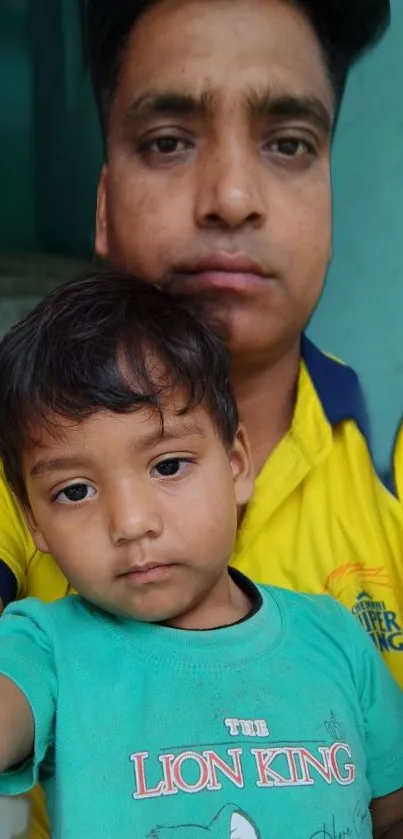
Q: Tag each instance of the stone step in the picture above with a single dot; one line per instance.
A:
(26, 278)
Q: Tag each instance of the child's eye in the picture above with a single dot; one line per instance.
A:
(74, 494)
(171, 467)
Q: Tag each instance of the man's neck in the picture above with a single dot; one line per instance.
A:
(266, 400)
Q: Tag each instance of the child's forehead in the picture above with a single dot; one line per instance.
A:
(140, 429)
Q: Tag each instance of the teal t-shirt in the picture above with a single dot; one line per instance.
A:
(284, 725)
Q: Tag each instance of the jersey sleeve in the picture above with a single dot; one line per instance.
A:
(382, 706)
(397, 478)
(27, 659)
(16, 546)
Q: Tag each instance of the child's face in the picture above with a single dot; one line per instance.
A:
(141, 524)
(219, 146)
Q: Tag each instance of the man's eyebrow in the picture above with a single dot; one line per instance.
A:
(290, 106)
(169, 103)
(57, 464)
(173, 103)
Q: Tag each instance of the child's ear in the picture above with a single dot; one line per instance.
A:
(242, 470)
(37, 535)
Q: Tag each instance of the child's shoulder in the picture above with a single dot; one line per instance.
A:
(54, 616)
(319, 616)
(320, 605)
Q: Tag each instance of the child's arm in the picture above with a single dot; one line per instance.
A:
(387, 816)
(16, 725)
(381, 701)
(28, 695)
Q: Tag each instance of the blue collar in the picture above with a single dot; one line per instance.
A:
(337, 386)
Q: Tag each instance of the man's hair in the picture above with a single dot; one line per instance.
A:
(107, 342)
(345, 29)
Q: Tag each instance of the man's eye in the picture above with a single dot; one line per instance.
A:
(288, 147)
(171, 467)
(167, 145)
(74, 493)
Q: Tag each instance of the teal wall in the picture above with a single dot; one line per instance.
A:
(50, 155)
(16, 128)
(360, 317)
(50, 149)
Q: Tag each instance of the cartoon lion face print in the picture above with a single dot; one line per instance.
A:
(230, 822)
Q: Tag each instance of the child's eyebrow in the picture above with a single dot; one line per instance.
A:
(161, 434)
(57, 464)
(168, 433)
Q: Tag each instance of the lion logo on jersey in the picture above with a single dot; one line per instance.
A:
(230, 823)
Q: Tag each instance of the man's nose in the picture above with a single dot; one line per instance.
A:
(230, 193)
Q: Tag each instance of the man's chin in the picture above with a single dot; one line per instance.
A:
(239, 320)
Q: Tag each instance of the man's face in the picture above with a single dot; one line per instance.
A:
(218, 176)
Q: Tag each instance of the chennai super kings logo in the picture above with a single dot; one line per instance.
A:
(380, 622)
(374, 613)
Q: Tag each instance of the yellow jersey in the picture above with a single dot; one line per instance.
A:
(320, 520)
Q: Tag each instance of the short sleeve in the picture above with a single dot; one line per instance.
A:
(26, 658)
(16, 546)
(382, 707)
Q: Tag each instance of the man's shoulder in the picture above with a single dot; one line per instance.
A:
(16, 544)
(338, 387)
(24, 571)
(396, 477)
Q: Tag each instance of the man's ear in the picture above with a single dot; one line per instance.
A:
(242, 471)
(101, 227)
(37, 535)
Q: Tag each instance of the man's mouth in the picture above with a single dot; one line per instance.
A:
(221, 271)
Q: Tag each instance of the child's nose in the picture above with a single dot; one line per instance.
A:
(133, 514)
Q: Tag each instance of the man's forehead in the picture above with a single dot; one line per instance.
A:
(225, 48)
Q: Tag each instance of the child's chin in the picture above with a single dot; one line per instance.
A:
(167, 615)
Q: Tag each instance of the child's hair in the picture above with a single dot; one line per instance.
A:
(345, 29)
(107, 341)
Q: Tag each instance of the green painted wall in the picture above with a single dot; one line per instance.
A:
(50, 150)
(50, 155)
(16, 128)
(360, 317)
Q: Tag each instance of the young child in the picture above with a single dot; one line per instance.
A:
(172, 696)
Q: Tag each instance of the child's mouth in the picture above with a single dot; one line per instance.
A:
(148, 573)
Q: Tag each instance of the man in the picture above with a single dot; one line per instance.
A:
(218, 119)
